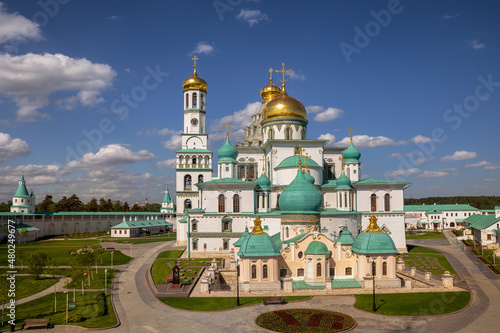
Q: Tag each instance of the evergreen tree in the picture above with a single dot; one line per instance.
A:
(62, 205)
(74, 204)
(92, 206)
(45, 205)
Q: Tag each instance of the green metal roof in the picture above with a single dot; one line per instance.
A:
(141, 224)
(21, 189)
(351, 154)
(301, 285)
(374, 243)
(264, 181)
(227, 152)
(481, 222)
(345, 283)
(430, 208)
(27, 227)
(335, 211)
(167, 198)
(317, 248)
(300, 195)
(295, 239)
(343, 182)
(345, 237)
(258, 245)
(242, 238)
(293, 162)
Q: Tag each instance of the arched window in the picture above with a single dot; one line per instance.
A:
(373, 199)
(188, 204)
(236, 203)
(318, 270)
(303, 135)
(251, 172)
(271, 134)
(200, 179)
(330, 173)
(194, 161)
(222, 207)
(225, 245)
(348, 271)
(384, 268)
(202, 101)
(287, 232)
(254, 272)
(195, 226)
(300, 272)
(195, 245)
(187, 101)
(187, 183)
(348, 173)
(195, 100)
(387, 202)
(340, 199)
(264, 272)
(287, 133)
(242, 172)
(226, 226)
(345, 200)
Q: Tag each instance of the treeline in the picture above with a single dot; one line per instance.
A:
(74, 204)
(481, 202)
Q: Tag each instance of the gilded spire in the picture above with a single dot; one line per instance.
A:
(342, 159)
(300, 157)
(373, 226)
(257, 229)
(227, 126)
(263, 160)
(350, 130)
(283, 71)
(270, 70)
(307, 162)
(195, 58)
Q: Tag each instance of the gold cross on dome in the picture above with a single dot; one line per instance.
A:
(227, 126)
(283, 71)
(350, 130)
(195, 58)
(342, 159)
(270, 70)
(263, 160)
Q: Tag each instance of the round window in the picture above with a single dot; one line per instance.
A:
(300, 255)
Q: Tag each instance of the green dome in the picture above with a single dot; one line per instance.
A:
(300, 196)
(293, 162)
(351, 154)
(309, 178)
(258, 244)
(264, 181)
(372, 242)
(343, 181)
(345, 237)
(316, 247)
(227, 152)
(244, 235)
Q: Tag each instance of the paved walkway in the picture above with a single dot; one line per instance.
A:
(140, 311)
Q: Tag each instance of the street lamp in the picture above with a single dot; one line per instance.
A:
(237, 282)
(67, 304)
(373, 275)
(106, 281)
(112, 254)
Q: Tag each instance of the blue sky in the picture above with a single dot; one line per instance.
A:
(91, 91)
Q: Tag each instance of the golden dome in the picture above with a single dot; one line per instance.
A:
(194, 82)
(284, 106)
(270, 91)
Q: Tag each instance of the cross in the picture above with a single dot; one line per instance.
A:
(270, 70)
(227, 126)
(350, 130)
(195, 58)
(263, 160)
(342, 159)
(300, 155)
(283, 71)
(307, 162)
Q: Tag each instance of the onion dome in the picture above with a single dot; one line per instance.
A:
(227, 152)
(269, 92)
(316, 247)
(284, 106)
(345, 237)
(300, 196)
(194, 81)
(264, 181)
(351, 154)
(308, 177)
(343, 181)
(374, 241)
(244, 235)
(258, 243)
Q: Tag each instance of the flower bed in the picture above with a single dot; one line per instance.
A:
(305, 320)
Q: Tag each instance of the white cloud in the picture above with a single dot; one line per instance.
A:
(15, 27)
(420, 139)
(404, 172)
(174, 143)
(163, 131)
(495, 166)
(238, 120)
(314, 108)
(29, 80)
(203, 48)
(489, 180)
(11, 148)
(252, 17)
(114, 17)
(421, 160)
(113, 154)
(170, 163)
(459, 155)
(438, 173)
(325, 115)
(476, 45)
(365, 141)
(478, 164)
(394, 155)
(327, 136)
(296, 76)
(447, 16)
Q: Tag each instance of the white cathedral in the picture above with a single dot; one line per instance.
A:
(264, 176)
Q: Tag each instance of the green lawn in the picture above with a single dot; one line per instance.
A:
(216, 303)
(55, 242)
(160, 270)
(27, 286)
(414, 304)
(85, 305)
(170, 254)
(97, 282)
(425, 235)
(415, 251)
(142, 240)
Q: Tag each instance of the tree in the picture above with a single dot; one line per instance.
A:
(92, 206)
(36, 262)
(45, 205)
(5, 207)
(62, 205)
(74, 204)
(23, 232)
(126, 208)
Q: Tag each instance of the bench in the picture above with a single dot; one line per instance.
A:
(274, 300)
(110, 249)
(36, 323)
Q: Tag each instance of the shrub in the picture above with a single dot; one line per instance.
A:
(100, 305)
(75, 318)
